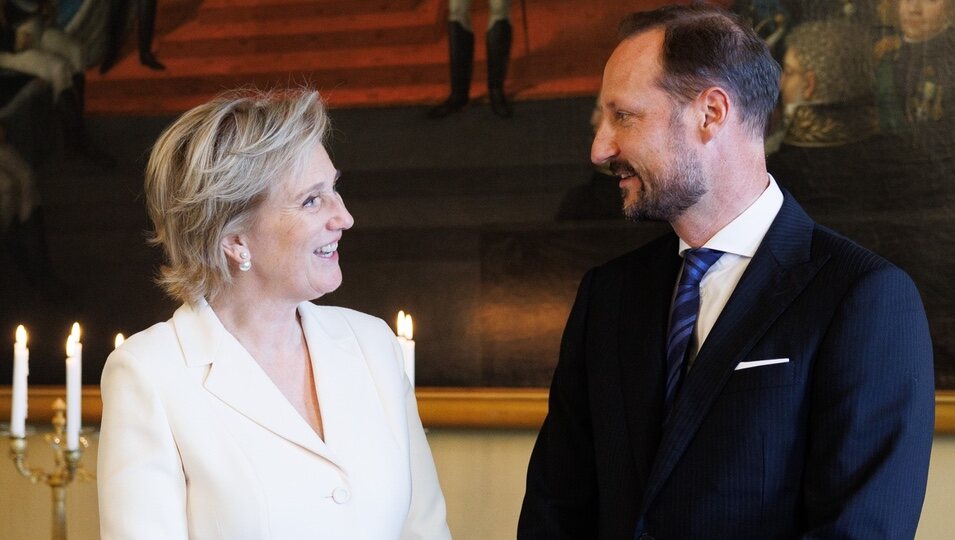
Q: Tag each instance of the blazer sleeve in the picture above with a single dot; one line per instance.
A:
(427, 516)
(561, 496)
(872, 414)
(141, 485)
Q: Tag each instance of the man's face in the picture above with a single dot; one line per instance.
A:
(643, 136)
(923, 19)
(792, 84)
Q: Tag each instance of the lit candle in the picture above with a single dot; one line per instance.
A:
(21, 368)
(406, 340)
(119, 340)
(74, 387)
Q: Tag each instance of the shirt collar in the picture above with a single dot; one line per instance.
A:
(743, 235)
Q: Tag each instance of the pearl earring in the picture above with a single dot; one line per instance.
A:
(246, 264)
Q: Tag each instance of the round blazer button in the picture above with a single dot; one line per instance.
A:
(341, 495)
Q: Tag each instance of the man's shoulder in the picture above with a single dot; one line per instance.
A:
(845, 254)
(850, 266)
(662, 246)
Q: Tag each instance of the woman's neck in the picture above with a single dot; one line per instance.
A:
(260, 324)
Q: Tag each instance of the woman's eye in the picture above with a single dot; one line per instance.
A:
(309, 202)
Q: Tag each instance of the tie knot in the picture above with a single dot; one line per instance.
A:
(696, 262)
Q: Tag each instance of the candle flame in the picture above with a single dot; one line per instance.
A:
(75, 331)
(119, 340)
(405, 326)
(22, 335)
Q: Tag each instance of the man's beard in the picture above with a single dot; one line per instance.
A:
(664, 197)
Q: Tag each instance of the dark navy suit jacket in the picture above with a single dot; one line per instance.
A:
(834, 443)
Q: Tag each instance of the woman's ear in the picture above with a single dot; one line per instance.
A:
(236, 248)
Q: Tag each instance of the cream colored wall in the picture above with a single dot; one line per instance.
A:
(938, 518)
(482, 473)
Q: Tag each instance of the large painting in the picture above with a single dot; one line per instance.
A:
(479, 227)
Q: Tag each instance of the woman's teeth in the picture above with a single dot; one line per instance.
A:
(327, 250)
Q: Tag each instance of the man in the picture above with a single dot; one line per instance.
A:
(787, 394)
(117, 25)
(461, 53)
(916, 79)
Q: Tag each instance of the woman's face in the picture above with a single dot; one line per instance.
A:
(294, 238)
(923, 19)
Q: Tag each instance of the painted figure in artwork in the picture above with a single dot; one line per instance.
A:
(146, 22)
(916, 77)
(461, 56)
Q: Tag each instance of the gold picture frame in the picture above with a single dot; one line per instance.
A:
(445, 407)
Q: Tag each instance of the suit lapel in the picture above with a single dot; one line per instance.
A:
(648, 283)
(236, 379)
(779, 271)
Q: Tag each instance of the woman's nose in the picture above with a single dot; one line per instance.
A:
(342, 220)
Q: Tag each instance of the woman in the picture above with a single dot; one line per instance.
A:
(253, 413)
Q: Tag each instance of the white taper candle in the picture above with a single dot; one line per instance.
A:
(74, 388)
(405, 339)
(21, 369)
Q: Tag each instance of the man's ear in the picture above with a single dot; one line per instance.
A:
(809, 77)
(714, 104)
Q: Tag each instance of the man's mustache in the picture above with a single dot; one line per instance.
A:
(621, 168)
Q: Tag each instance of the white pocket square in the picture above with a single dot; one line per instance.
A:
(758, 363)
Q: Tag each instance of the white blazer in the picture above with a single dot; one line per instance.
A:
(197, 442)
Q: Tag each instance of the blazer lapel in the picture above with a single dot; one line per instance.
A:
(648, 284)
(346, 388)
(236, 379)
(779, 271)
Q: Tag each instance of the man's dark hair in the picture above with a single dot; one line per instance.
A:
(706, 46)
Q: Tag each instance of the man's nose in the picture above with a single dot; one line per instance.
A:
(604, 147)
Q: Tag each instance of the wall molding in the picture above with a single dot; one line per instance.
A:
(504, 408)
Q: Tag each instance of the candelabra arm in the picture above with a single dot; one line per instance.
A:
(66, 467)
(18, 451)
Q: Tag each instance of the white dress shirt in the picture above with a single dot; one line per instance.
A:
(739, 240)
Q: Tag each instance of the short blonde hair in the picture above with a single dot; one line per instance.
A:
(212, 168)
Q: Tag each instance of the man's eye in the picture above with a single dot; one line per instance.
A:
(309, 202)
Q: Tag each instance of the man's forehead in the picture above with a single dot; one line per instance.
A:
(643, 47)
(634, 63)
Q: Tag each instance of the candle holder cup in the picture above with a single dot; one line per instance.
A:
(66, 466)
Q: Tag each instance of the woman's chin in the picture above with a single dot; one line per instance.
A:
(326, 285)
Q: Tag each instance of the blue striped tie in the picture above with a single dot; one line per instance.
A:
(686, 305)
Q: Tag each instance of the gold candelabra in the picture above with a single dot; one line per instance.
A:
(66, 466)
